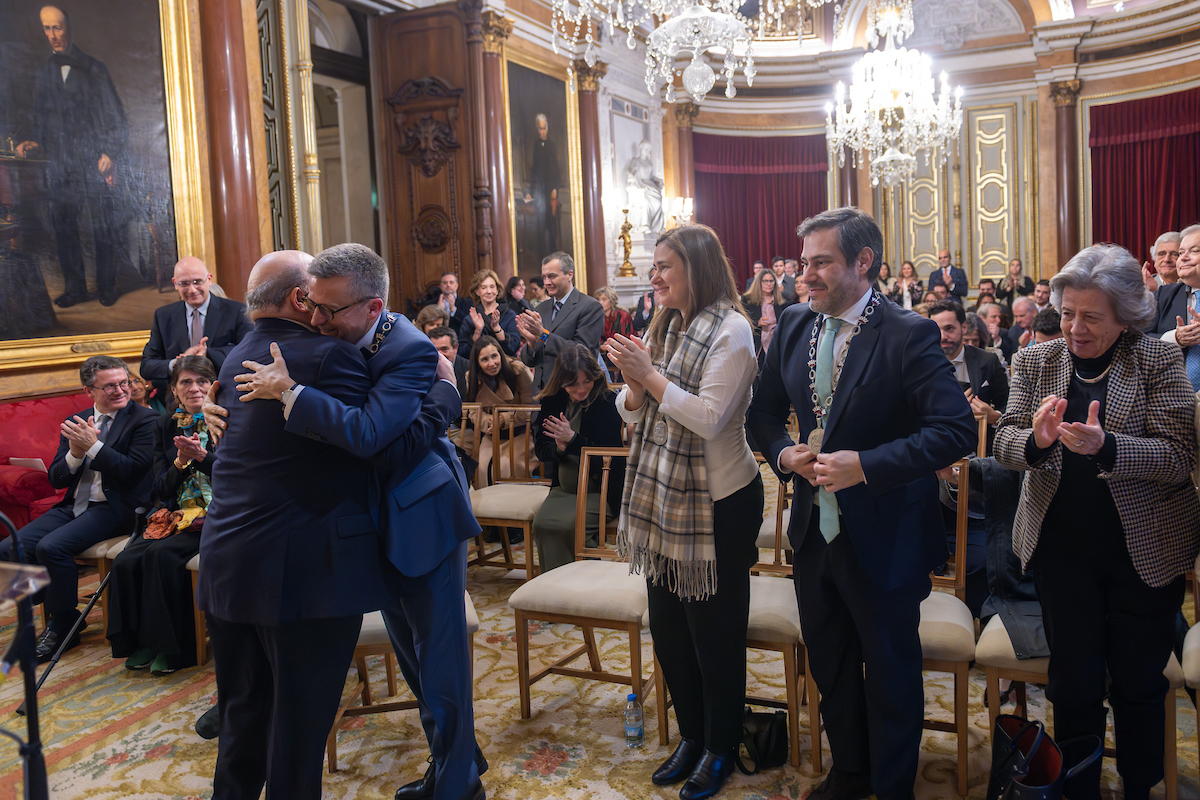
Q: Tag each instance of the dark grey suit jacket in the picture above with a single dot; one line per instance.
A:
(581, 319)
(225, 325)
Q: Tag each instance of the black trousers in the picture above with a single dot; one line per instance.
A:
(68, 204)
(428, 629)
(701, 644)
(1102, 621)
(53, 540)
(866, 658)
(278, 688)
(150, 597)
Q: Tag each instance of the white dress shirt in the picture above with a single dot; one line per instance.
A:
(718, 412)
(202, 310)
(96, 492)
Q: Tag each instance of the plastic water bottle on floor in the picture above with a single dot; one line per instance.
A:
(634, 734)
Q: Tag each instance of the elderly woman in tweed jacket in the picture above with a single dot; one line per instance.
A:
(1108, 521)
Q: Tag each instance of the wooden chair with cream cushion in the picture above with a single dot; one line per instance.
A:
(373, 640)
(98, 556)
(596, 591)
(511, 501)
(193, 568)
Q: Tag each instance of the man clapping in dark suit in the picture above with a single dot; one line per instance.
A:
(568, 316)
(419, 497)
(290, 557)
(979, 372)
(103, 459)
(200, 324)
(888, 414)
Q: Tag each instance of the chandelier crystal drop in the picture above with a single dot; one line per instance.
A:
(894, 113)
(694, 31)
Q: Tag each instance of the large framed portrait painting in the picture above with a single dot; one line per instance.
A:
(544, 162)
(98, 170)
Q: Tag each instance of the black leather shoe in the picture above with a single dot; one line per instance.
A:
(108, 298)
(423, 788)
(680, 763)
(708, 777)
(48, 642)
(66, 300)
(209, 724)
(841, 785)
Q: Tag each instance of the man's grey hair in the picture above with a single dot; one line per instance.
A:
(89, 368)
(366, 269)
(983, 310)
(856, 230)
(541, 118)
(1115, 272)
(1169, 236)
(1023, 300)
(564, 259)
(273, 293)
(1188, 231)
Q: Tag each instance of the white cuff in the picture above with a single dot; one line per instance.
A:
(95, 448)
(73, 463)
(1169, 336)
(289, 399)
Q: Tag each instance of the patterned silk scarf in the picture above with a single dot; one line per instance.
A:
(666, 522)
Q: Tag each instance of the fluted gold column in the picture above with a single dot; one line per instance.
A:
(588, 81)
(1066, 167)
(685, 115)
(496, 29)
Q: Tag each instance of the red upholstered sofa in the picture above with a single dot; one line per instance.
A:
(30, 429)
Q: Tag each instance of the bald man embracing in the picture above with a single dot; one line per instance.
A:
(200, 324)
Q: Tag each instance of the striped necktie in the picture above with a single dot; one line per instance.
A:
(1191, 355)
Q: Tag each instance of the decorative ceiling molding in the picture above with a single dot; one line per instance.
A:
(950, 23)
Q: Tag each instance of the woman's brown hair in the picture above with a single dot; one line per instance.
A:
(709, 277)
(573, 359)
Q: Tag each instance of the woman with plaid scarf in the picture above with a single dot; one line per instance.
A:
(693, 495)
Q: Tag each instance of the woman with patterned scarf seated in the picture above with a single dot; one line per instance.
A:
(150, 621)
(693, 496)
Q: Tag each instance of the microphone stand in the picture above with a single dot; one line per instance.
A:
(33, 760)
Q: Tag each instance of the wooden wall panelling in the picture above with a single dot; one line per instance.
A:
(425, 107)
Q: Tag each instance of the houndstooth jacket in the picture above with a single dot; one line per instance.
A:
(1150, 410)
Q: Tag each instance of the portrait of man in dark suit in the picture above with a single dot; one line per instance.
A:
(888, 414)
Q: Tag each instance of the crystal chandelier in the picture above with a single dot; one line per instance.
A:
(893, 113)
(694, 31)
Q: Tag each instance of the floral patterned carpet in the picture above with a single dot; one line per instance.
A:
(112, 733)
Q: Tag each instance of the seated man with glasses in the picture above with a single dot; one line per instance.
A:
(200, 324)
(103, 460)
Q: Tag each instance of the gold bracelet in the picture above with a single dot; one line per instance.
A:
(183, 466)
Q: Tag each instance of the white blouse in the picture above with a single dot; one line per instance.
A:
(718, 412)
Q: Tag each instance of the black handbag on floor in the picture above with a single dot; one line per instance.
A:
(1028, 765)
(764, 741)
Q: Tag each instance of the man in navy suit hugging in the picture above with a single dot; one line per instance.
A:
(420, 502)
(103, 459)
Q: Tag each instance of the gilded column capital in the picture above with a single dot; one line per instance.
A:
(496, 28)
(589, 77)
(685, 114)
(1064, 93)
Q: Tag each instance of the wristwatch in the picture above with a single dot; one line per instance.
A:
(545, 335)
(287, 395)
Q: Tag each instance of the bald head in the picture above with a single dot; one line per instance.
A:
(192, 280)
(57, 27)
(270, 290)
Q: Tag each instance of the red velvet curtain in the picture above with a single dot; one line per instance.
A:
(754, 192)
(1145, 159)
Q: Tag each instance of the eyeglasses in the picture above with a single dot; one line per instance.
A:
(113, 388)
(327, 312)
(198, 282)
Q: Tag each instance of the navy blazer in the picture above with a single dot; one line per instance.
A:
(899, 406)
(224, 325)
(1172, 302)
(508, 324)
(989, 381)
(123, 462)
(288, 534)
(419, 495)
(581, 319)
(957, 275)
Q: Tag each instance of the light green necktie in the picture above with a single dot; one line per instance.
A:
(826, 501)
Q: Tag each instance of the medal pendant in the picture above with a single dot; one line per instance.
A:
(814, 441)
(659, 435)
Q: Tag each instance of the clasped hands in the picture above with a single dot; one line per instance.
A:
(1187, 333)
(1084, 438)
(189, 448)
(631, 356)
(835, 471)
(80, 434)
(559, 429)
(196, 350)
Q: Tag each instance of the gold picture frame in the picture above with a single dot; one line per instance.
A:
(38, 366)
(559, 72)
